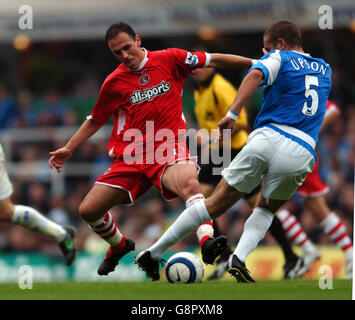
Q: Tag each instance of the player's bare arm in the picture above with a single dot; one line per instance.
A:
(61, 155)
(220, 60)
(246, 90)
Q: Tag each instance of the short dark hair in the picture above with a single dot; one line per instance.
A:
(116, 28)
(285, 30)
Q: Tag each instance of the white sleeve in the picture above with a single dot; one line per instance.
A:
(272, 64)
(208, 59)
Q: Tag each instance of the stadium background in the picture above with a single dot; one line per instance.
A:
(50, 77)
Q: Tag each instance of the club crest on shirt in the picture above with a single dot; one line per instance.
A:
(144, 79)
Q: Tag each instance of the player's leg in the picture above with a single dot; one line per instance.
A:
(30, 218)
(298, 237)
(333, 227)
(220, 201)
(94, 210)
(207, 238)
(310, 187)
(276, 229)
(222, 262)
(208, 230)
(240, 174)
(293, 262)
(207, 189)
(189, 220)
(287, 164)
(181, 179)
(261, 220)
(208, 181)
(254, 231)
(244, 173)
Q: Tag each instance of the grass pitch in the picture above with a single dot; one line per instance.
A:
(162, 290)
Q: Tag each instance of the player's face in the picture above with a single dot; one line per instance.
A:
(268, 46)
(127, 50)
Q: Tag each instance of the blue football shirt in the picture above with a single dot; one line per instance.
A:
(296, 90)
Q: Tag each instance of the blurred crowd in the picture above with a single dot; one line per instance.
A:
(151, 215)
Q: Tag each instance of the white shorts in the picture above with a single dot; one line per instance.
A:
(5, 184)
(282, 162)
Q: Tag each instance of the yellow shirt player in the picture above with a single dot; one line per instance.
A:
(212, 100)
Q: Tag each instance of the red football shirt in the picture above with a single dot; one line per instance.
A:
(146, 100)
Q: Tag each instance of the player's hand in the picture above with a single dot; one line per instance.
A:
(224, 123)
(58, 158)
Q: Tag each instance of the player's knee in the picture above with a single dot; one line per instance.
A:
(191, 187)
(86, 212)
(271, 204)
(6, 210)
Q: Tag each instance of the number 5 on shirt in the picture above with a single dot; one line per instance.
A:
(309, 111)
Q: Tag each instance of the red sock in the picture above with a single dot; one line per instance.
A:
(106, 228)
(117, 248)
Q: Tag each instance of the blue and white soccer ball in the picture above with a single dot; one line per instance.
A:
(184, 267)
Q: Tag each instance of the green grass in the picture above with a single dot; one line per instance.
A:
(207, 290)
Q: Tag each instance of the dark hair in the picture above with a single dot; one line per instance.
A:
(285, 30)
(116, 28)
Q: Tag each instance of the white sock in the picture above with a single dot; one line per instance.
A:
(254, 230)
(191, 218)
(205, 230)
(31, 219)
(195, 198)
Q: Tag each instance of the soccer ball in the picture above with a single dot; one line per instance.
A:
(184, 267)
